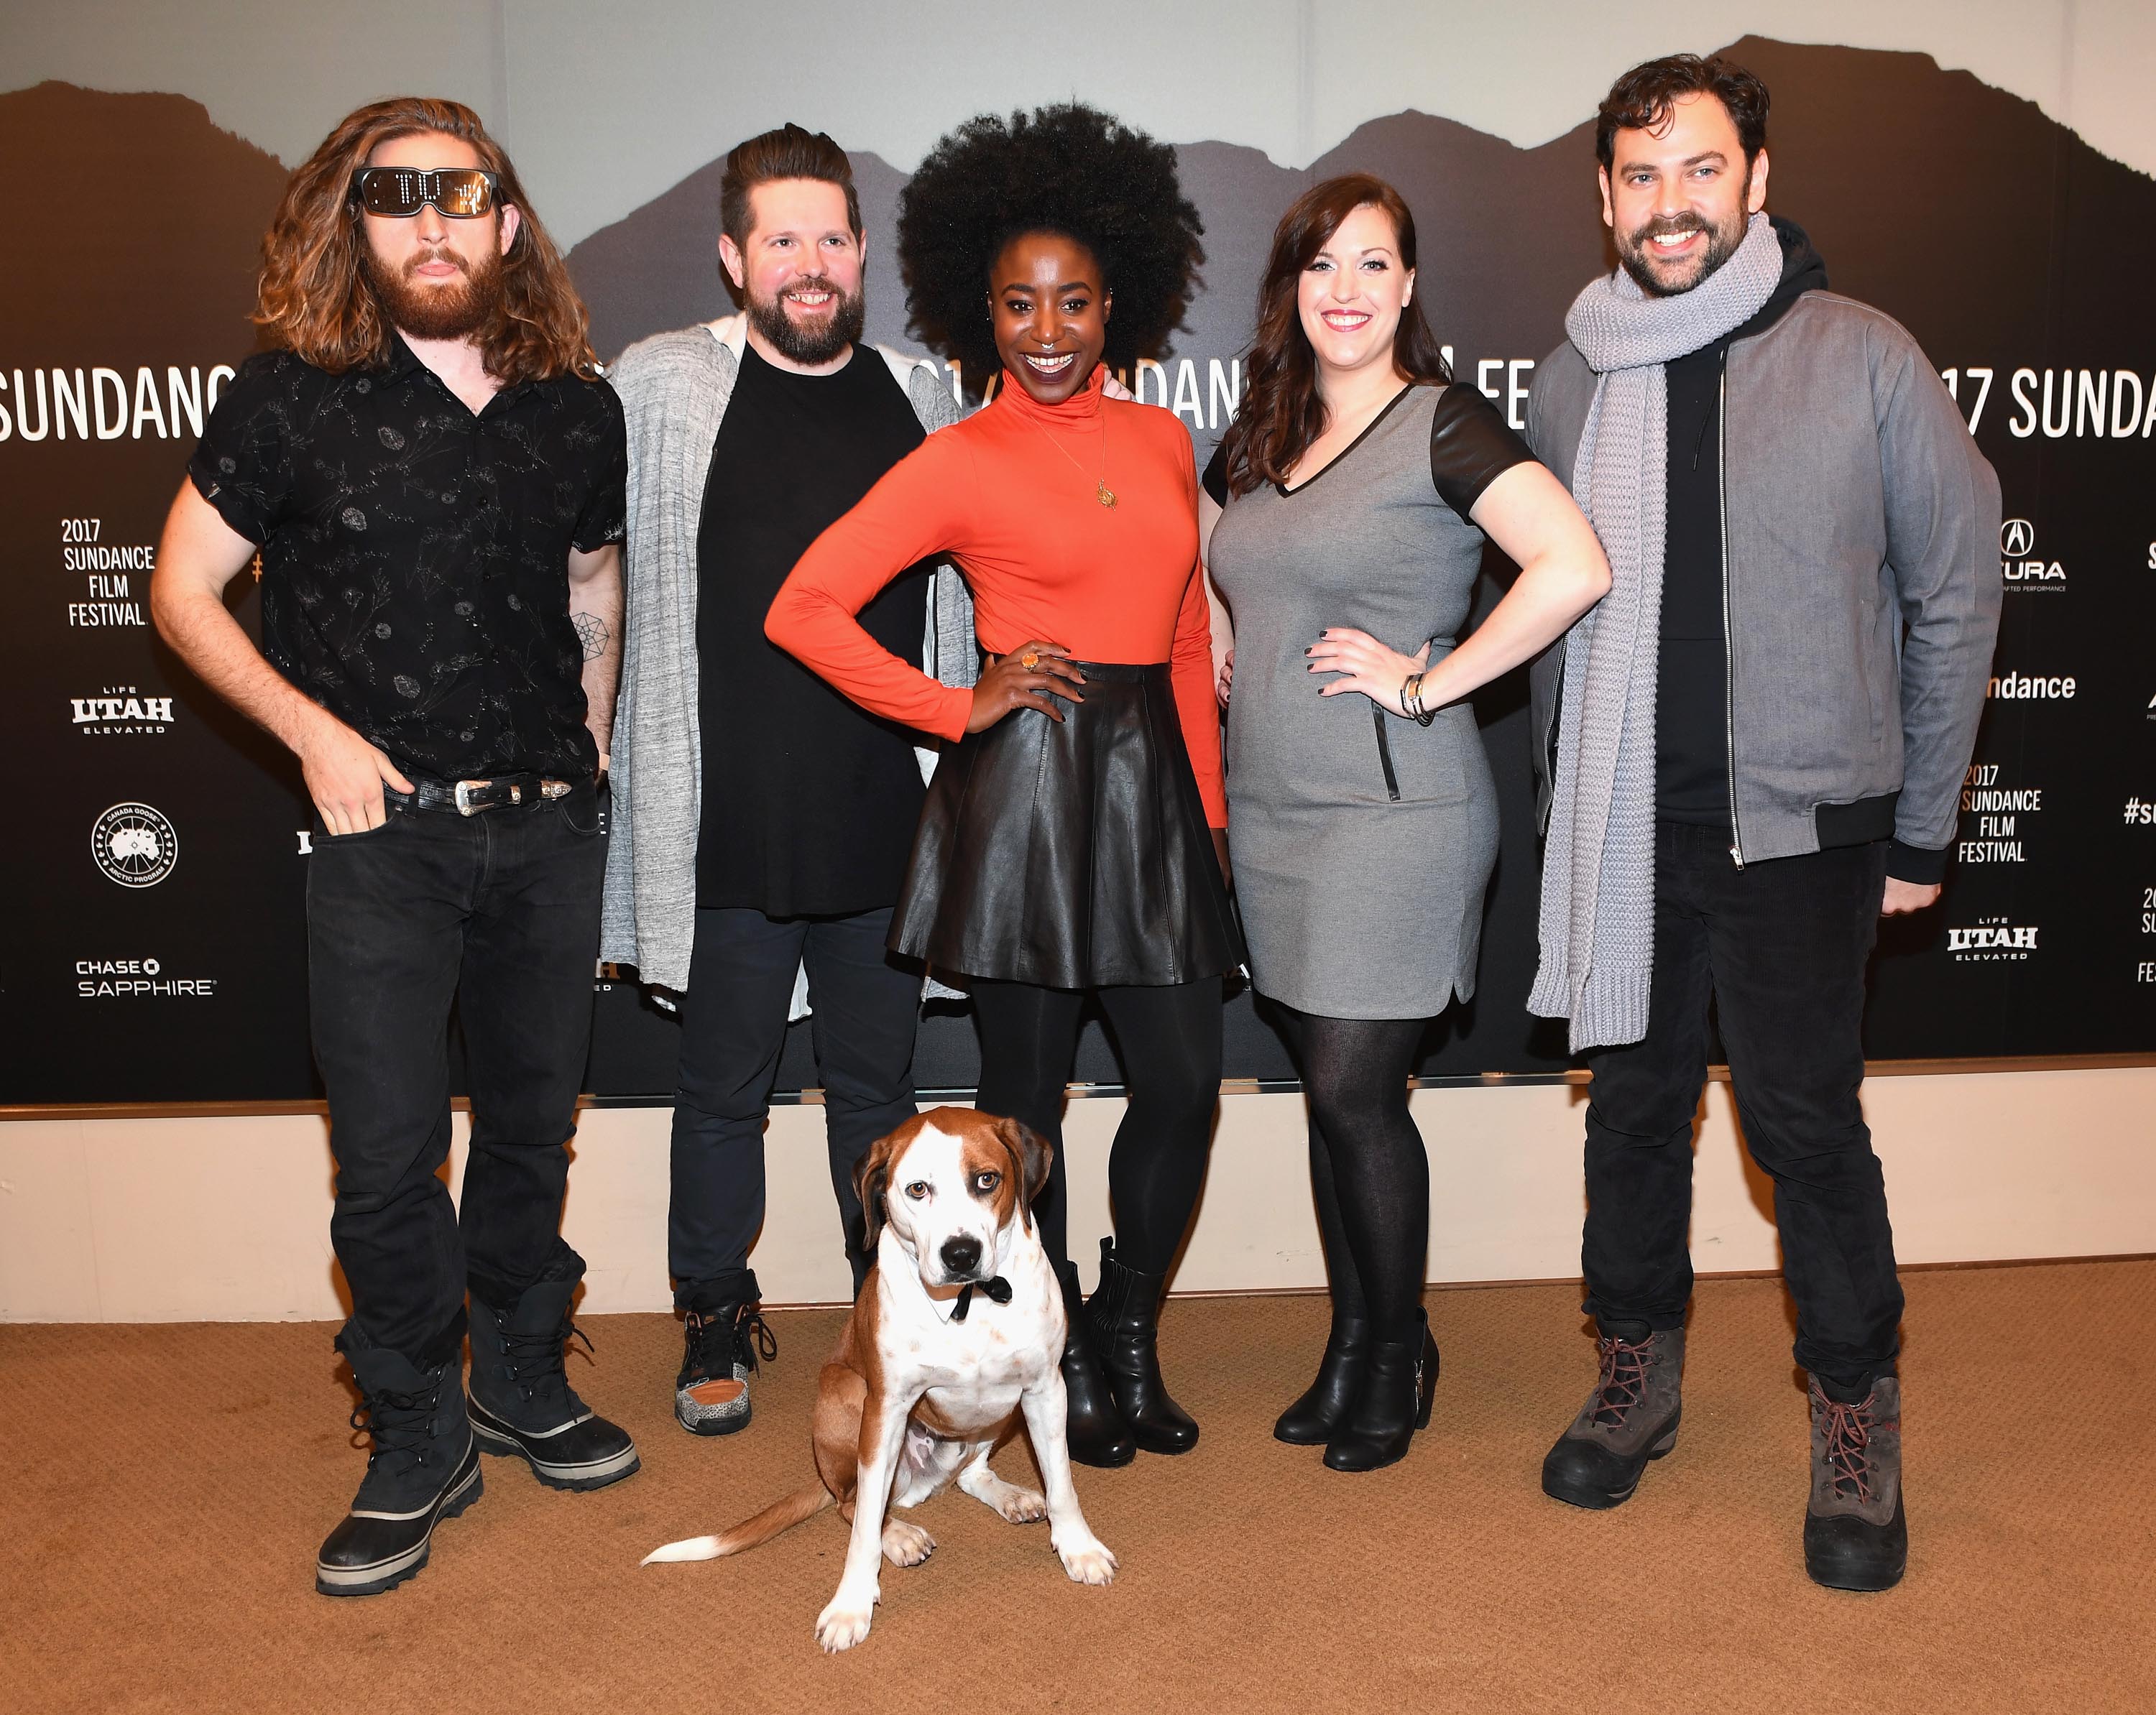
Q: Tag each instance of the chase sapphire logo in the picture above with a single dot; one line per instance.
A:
(134, 845)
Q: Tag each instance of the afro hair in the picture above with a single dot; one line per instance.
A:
(1069, 169)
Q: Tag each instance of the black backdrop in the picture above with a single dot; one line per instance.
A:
(155, 868)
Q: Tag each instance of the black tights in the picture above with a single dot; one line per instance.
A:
(1168, 1040)
(1368, 1170)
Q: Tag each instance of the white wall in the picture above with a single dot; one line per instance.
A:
(228, 1219)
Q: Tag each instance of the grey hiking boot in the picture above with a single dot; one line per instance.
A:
(722, 1345)
(1630, 1418)
(522, 1402)
(1855, 1537)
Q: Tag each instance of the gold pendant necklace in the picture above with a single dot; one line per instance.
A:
(1101, 492)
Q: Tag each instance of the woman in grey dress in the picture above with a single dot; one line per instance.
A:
(1345, 516)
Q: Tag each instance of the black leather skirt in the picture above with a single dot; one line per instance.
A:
(1071, 854)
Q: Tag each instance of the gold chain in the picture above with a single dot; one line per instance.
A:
(1101, 492)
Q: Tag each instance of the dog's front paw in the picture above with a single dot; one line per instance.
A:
(844, 1624)
(1088, 1561)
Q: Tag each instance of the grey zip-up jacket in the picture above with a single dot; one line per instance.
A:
(1860, 577)
(675, 388)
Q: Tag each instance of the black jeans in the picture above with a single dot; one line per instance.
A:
(1169, 1041)
(733, 1027)
(1780, 948)
(499, 914)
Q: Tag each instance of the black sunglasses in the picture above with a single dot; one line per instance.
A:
(461, 192)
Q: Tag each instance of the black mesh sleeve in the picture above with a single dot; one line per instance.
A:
(1471, 447)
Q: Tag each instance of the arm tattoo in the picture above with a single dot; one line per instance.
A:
(593, 631)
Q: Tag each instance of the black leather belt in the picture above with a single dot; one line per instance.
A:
(468, 797)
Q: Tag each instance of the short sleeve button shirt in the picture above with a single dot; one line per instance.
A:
(415, 556)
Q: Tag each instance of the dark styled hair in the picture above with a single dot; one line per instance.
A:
(789, 152)
(1641, 101)
(1070, 170)
(1282, 414)
(314, 298)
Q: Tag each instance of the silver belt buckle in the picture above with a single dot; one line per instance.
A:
(554, 789)
(465, 789)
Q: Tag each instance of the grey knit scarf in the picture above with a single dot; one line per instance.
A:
(1598, 909)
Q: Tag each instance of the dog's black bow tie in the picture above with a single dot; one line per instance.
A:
(998, 1288)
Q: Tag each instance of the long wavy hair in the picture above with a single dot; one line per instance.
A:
(1280, 413)
(315, 299)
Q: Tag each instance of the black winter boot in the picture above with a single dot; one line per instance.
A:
(1856, 1535)
(1324, 1404)
(1093, 1429)
(522, 1401)
(1124, 1312)
(1398, 1382)
(1630, 1418)
(424, 1468)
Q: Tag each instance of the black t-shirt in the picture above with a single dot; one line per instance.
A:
(809, 801)
(415, 556)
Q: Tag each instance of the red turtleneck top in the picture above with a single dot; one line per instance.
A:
(1010, 495)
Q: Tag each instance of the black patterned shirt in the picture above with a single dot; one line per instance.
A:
(415, 556)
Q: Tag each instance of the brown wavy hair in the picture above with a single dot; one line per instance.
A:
(315, 301)
(1282, 414)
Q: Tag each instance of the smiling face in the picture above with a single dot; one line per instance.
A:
(438, 278)
(1050, 304)
(1352, 293)
(1677, 198)
(798, 273)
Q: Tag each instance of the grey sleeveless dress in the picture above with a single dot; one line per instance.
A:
(1362, 842)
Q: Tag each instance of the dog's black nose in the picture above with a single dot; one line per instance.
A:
(961, 1256)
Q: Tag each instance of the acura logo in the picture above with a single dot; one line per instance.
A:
(2017, 536)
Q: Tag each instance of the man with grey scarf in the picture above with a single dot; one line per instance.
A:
(1753, 749)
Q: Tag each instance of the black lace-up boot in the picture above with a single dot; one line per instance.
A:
(722, 1343)
(1856, 1535)
(522, 1401)
(1124, 1313)
(1630, 1418)
(1324, 1404)
(423, 1468)
(1400, 1380)
(1093, 1427)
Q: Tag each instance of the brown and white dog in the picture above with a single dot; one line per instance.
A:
(957, 1333)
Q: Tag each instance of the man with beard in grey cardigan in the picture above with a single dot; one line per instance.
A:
(763, 822)
(1758, 741)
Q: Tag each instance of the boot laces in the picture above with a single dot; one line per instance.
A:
(738, 1339)
(534, 1360)
(1622, 1384)
(400, 1425)
(1849, 1430)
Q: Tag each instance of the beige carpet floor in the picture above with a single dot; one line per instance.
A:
(165, 1489)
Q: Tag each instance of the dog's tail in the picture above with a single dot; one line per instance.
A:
(779, 1516)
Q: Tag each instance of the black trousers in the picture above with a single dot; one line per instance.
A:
(498, 914)
(1780, 948)
(733, 1027)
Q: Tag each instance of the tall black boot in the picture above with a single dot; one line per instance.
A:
(1093, 1428)
(424, 1468)
(522, 1402)
(1125, 1312)
(1395, 1403)
(1311, 1421)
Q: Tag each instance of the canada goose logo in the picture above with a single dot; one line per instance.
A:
(134, 845)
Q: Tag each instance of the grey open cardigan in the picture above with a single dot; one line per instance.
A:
(674, 389)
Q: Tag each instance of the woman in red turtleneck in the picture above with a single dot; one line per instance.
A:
(1068, 847)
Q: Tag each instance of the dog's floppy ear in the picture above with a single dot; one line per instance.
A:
(872, 1179)
(1030, 1153)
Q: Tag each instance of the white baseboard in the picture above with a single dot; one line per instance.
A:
(228, 1219)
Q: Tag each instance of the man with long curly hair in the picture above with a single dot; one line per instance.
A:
(431, 473)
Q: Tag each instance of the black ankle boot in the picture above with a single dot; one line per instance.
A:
(1125, 1314)
(424, 1468)
(522, 1402)
(1093, 1428)
(1312, 1420)
(1398, 1383)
